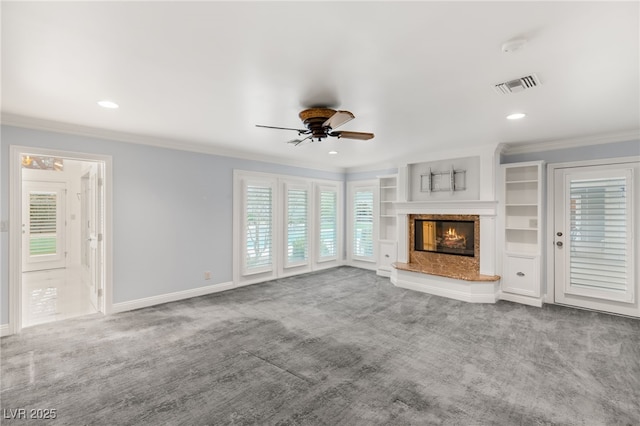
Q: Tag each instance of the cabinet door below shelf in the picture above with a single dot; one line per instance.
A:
(521, 275)
(387, 255)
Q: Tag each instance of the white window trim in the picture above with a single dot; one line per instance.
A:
(279, 232)
(246, 271)
(352, 188)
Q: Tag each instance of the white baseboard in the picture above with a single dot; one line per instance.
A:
(383, 272)
(172, 297)
(4, 330)
(525, 300)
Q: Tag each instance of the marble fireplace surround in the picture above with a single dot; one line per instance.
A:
(442, 264)
(470, 279)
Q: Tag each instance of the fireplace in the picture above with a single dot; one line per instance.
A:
(445, 244)
(454, 237)
(466, 277)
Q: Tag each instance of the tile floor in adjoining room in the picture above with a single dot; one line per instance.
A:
(54, 294)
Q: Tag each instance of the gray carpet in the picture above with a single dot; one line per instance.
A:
(339, 347)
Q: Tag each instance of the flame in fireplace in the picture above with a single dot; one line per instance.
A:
(453, 239)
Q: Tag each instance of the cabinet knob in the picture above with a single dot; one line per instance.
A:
(520, 274)
(559, 243)
(386, 255)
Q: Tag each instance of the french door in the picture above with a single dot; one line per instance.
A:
(595, 248)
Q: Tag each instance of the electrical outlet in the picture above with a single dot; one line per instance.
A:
(207, 275)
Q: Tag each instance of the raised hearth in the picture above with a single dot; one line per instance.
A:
(470, 276)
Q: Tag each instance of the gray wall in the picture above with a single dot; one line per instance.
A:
(172, 212)
(591, 152)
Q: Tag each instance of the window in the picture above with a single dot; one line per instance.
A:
(363, 224)
(284, 225)
(258, 228)
(43, 215)
(362, 221)
(297, 226)
(328, 239)
(42, 163)
(43, 225)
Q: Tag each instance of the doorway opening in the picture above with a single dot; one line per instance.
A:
(59, 228)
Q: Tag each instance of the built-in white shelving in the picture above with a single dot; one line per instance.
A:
(522, 216)
(387, 223)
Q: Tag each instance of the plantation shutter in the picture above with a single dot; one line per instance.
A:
(363, 223)
(328, 224)
(258, 228)
(43, 221)
(600, 232)
(297, 228)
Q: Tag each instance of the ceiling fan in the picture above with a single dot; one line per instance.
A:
(320, 123)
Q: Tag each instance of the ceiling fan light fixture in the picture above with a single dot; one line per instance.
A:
(320, 123)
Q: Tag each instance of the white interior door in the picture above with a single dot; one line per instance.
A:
(90, 233)
(594, 238)
(43, 225)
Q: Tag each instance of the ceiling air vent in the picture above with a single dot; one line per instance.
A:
(517, 85)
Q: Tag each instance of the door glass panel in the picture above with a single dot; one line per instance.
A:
(43, 210)
(599, 229)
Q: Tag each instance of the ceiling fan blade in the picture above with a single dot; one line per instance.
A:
(297, 142)
(338, 119)
(352, 135)
(302, 131)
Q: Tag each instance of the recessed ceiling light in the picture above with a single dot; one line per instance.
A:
(516, 116)
(108, 104)
(333, 152)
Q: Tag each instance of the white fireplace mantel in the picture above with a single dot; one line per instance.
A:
(475, 207)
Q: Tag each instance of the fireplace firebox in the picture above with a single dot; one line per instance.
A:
(454, 237)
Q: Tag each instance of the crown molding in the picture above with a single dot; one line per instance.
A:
(550, 145)
(158, 142)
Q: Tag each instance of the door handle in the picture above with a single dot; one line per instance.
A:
(559, 243)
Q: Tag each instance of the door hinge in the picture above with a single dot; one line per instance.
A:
(99, 237)
(100, 182)
(99, 292)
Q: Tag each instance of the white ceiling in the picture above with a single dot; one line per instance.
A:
(418, 74)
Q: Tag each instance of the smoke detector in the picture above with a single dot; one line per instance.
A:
(517, 85)
(513, 45)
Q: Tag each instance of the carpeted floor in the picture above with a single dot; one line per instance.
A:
(339, 347)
